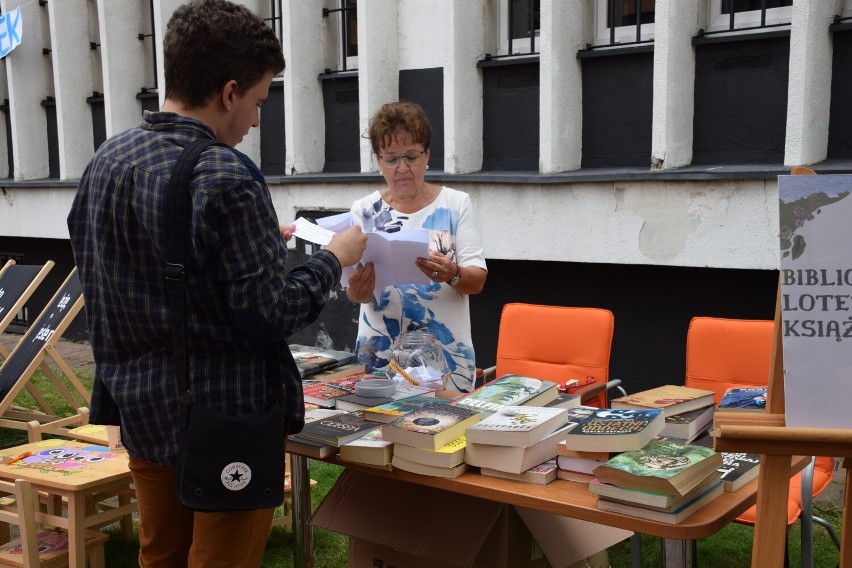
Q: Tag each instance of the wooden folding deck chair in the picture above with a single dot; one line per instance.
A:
(30, 354)
(17, 284)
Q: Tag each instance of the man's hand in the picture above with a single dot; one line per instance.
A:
(361, 284)
(348, 245)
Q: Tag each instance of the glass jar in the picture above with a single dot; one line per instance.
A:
(421, 349)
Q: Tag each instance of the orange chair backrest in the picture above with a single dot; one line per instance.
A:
(723, 353)
(554, 343)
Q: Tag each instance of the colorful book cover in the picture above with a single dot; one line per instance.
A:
(745, 398)
(660, 466)
(323, 394)
(431, 426)
(612, 430)
(508, 390)
(673, 399)
(390, 411)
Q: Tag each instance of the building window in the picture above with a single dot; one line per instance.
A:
(519, 28)
(740, 15)
(624, 22)
(343, 33)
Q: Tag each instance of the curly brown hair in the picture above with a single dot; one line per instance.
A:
(394, 120)
(210, 42)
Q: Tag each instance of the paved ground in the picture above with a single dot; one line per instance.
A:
(79, 357)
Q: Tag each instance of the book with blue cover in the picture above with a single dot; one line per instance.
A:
(744, 398)
(612, 430)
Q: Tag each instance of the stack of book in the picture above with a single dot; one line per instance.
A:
(390, 411)
(541, 474)
(516, 438)
(370, 449)
(665, 481)
(322, 437)
(688, 412)
(430, 427)
(594, 433)
(354, 401)
(312, 360)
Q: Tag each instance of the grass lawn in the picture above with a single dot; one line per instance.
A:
(730, 548)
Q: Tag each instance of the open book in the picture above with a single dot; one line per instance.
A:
(393, 254)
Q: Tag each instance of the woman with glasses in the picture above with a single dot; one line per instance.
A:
(400, 133)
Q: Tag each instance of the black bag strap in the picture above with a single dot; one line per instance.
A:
(178, 215)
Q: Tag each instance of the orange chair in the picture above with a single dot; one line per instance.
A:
(724, 353)
(555, 343)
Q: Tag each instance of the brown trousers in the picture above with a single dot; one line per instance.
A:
(172, 536)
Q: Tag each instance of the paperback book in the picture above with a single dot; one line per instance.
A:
(611, 430)
(414, 467)
(512, 459)
(298, 444)
(689, 425)
(673, 517)
(746, 398)
(355, 402)
(311, 360)
(338, 372)
(369, 449)
(508, 390)
(661, 467)
(338, 429)
(541, 474)
(738, 468)
(564, 400)
(431, 426)
(647, 499)
(672, 399)
(390, 411)
(517, 426)
(328, 393)
(448, 455)
(578, 464)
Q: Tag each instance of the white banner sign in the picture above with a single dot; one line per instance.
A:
(10, 31)
(816, 298)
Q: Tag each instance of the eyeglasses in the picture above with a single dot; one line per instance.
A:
(410, 158)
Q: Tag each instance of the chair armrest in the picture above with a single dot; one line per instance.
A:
(488, 374)
(616, 384)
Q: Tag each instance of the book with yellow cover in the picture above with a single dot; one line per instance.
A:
(448, 455)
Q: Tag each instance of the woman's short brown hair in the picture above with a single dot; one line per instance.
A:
(396, 119)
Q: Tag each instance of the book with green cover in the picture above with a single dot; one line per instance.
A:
(661, 467)
(672, 517)
(509, 390)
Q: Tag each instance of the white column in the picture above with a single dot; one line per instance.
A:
(465, 45)
(676, 22)
(809, 85)
(72, 81)
(561, 86)
(304, 115)
(378, 66)
(126, 61)
(28, 72)
(163, 10)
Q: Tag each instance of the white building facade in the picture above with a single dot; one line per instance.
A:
(618, 159)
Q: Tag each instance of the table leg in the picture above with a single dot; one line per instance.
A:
(301, 483)
(76, 530)
(677, 553)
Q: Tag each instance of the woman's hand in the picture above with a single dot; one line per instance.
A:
(287, 231)
(438, 267)
(361, 284)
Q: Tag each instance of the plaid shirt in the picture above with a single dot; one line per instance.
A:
(241, 303)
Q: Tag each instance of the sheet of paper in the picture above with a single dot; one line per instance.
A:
(393, 255)
(336, 223)
(312, 233)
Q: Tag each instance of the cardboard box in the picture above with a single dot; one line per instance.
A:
(395, 524)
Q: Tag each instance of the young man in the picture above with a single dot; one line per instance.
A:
(219, 62)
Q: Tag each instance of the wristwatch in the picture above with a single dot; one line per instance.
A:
(455, 279)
